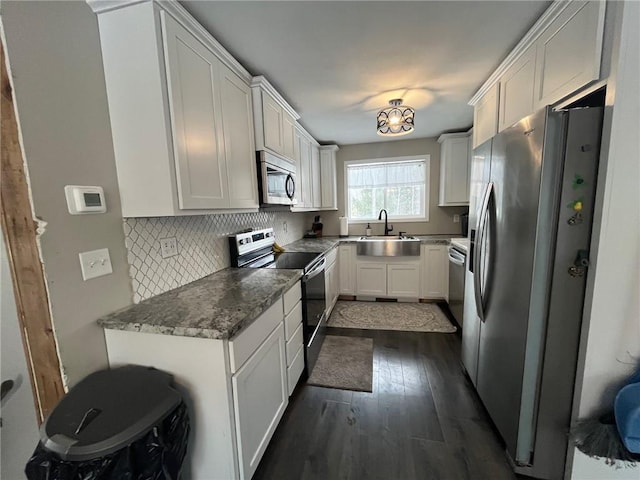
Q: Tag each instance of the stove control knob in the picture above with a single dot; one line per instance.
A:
(241, 242)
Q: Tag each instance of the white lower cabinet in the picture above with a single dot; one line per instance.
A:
(435, 272)
(388, 277)
(259, 398)
(237, 390)
(371, 279)
(403, 280)
(346, 266)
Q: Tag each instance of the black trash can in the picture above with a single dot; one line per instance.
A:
(124, 423)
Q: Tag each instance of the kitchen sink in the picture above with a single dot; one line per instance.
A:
(388, 246)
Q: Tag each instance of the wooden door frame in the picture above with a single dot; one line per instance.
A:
(29, 284)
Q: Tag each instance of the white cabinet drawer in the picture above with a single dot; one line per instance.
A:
(294, 345)
(293, 320)
(295, 370)
(247, 342)
(292, 297)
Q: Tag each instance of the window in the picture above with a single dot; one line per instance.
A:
(399, 185)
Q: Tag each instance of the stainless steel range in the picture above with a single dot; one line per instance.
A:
(254, 249)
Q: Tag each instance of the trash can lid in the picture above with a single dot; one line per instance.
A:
(108, 410)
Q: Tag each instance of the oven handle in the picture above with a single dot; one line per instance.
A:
(315, 271)
(455, 257)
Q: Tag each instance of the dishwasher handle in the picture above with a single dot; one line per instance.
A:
(456, 257)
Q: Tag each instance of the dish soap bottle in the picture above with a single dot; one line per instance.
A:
(367, 232)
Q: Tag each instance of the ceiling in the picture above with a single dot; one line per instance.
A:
(337, 63)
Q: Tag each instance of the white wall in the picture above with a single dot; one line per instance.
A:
(440, 218)
(56, 65)
(611, 340)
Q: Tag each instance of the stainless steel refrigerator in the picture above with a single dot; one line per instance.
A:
(532, 193)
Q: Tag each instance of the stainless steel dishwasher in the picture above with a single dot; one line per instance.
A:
(457, 260)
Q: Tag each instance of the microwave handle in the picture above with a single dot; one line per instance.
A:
(290, 186)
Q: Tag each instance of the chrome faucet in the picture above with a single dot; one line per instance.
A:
(387, 228)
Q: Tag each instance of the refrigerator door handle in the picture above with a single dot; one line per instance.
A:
(479, 254)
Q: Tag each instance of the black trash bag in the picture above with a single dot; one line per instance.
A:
(158, 455)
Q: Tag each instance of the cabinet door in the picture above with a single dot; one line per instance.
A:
(304, 175)
(273, 121)
(454, 172)
(315, 177)
(403, 280)
(297, 159)
(346, 267)
(288, 135)
(435, 271)
(485, 116)
(239, 147)
(371, 279)
(569, 52)
(516, 90)
(328, 178)
(196, 121)
(260, 395)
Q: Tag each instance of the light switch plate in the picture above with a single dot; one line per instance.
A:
(95, 263)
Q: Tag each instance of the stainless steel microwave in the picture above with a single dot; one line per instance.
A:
(276, 180)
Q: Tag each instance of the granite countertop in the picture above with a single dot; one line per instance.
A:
(312, 245)
(217, 306)
(462, 243)
(324, 244)
(424, 239)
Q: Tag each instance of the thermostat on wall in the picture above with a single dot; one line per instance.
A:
(82, 200)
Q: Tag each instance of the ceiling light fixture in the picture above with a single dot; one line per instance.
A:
(395, 120)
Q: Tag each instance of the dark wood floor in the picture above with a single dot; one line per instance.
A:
(422, 421)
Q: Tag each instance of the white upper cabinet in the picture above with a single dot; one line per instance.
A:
(316, 185)
(179, 129)
(569, 52)
(485, 116)
(196, 119)
(274, 120)
(455, 159)
(328, 177)
(309, 179)
(273, 124)
(288, 137)
(304, 173)
(237, 123)
(558, 56)
(516, 90)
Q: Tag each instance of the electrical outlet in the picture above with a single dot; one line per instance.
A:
(284, 227)
(168, 247)
(456, 219)
(95, 263)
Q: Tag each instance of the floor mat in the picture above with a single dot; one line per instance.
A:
(344, 362)
(411, 317)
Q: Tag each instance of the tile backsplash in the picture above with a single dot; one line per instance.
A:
(202, 245)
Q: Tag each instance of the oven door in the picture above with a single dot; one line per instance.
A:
(314, 296)
(277, 180)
